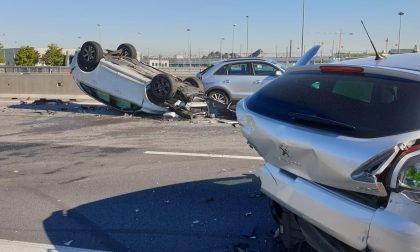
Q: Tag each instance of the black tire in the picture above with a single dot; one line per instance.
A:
(128, 50)
(195, 82)
(89, 56)
(162, 88)
(219, 96)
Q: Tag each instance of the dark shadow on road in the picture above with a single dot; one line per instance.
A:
(208, 215)
(52, 106)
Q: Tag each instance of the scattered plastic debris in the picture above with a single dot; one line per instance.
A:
(68, 243)
(170, 115)
(16, 171)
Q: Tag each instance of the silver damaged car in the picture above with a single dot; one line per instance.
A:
(341, 144)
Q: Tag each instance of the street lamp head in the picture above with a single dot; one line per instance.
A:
(188, 29)
(400, 13)
(247, 16)
(234, 25)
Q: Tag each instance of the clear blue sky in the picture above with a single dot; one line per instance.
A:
(161, 25)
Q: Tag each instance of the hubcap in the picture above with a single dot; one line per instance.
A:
(161, 89)
(89, 53)
(219, 97)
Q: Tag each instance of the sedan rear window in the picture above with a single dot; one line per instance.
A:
(367, 105)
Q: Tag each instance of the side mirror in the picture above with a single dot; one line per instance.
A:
(278, 73)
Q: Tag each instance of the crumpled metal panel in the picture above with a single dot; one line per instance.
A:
(316, 155)
(397, 227)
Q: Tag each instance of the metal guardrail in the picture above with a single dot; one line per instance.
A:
(186, 71)
(33, 69)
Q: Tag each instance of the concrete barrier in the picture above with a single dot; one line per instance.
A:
(35, 86)
(30, 85)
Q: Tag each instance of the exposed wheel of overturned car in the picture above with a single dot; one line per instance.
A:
(89, 56)
(195, 82)
(127, 50)
(162, 88)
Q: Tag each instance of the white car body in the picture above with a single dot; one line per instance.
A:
(118, 81)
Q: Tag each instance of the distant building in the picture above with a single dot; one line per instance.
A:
(157, 62)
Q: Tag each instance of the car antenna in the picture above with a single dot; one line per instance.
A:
(378, 57)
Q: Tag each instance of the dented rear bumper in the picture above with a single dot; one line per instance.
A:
(395, 228)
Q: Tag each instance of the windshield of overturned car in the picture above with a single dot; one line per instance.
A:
(368, 105)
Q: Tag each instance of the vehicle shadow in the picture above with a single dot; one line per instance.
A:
(53, 106)
(208, 215)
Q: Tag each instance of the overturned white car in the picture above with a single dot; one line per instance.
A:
(118, 79)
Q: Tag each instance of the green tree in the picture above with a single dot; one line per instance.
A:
(53, 56)
(1, 54)
(26, 56)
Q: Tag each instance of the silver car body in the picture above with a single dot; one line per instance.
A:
(304, 164)
(241, 85)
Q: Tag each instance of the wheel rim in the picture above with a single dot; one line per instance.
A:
(124, 52)
(162, 88)
(89, 53)
(218, 97)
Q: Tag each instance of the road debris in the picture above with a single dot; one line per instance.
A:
(248, 213)
(68, 243)
(170, 115)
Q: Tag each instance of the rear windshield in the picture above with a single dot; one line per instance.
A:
(368, 105)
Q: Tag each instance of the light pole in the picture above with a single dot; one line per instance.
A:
(233, 38)
(303, 27)
(139, 34)
(247, 36)
(99, 32)
(189, 47)
(399, 31)
(339, 42)
(221, 42)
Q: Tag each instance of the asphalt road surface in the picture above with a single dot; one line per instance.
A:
(90, 177)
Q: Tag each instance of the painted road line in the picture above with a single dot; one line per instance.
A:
(201, 155)
(14, 246)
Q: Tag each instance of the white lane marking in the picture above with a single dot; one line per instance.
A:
(201, 155)
(13, 246)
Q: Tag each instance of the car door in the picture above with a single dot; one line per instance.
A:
(239, 80)
(263, 74)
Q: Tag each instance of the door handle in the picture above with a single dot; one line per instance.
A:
(227, 81)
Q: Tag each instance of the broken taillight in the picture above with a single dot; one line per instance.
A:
(406, 176)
